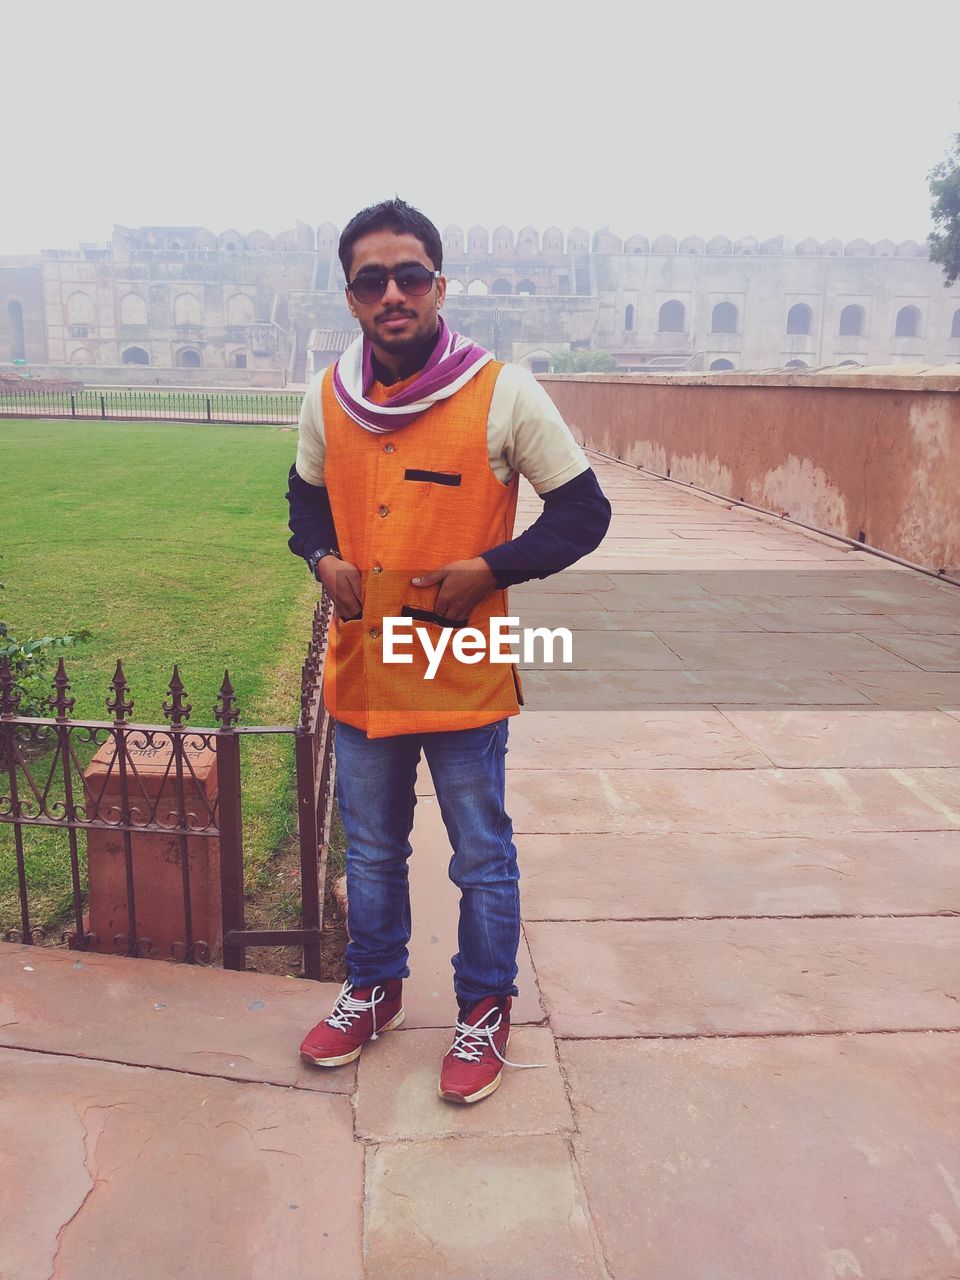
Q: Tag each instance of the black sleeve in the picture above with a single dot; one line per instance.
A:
(311, 518)
(573, 522)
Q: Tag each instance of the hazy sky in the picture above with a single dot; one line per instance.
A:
(808, 117)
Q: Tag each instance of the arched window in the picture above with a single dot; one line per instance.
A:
(133, 309)
(79, 308)
(501, 286)
(186, 309)
(796, 364)
(477, 288)
(955, 327)
(719, 365)
(135, 355)
(851, 321)
(526, 288)
(80, 355)
(724, 318)
(18, 350)
(239, 359)
(454, 287)
(240, 309)
(799, 319)
(187, 358)
(628, 317)
(908, 323)
(672, 315)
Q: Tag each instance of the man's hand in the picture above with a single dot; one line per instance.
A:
(342, 580)
(463, 584)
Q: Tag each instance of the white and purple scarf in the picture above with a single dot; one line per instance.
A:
(453, 362)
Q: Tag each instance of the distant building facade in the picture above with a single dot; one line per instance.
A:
(181, 304)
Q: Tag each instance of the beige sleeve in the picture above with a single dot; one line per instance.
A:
(312, 446)
(526, 433)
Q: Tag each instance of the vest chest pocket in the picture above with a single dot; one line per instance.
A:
(448, 479)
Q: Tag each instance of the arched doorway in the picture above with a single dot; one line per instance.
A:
(18, 349)
(187, 358)
(135, 355)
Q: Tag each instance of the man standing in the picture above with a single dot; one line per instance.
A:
(402, 502)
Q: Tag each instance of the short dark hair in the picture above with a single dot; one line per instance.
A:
(391, 215)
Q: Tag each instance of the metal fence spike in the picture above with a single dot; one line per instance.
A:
(119, 705)
(59, 702)
(177, 710)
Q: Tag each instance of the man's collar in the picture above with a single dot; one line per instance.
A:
(411, 363)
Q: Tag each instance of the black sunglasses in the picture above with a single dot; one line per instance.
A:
(414, 280)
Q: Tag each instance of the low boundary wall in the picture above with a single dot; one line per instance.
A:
(872, 457)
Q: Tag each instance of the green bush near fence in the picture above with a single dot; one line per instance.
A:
(168, 543)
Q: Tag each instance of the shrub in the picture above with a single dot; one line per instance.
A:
(30, 664)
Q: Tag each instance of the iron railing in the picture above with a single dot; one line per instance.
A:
(276, 408)
(42, 786)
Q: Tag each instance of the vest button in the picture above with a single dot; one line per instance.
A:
(384, 510)
(374, 633)
(389, 448)
(378, 568)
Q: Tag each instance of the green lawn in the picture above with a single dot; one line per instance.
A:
(168, 542)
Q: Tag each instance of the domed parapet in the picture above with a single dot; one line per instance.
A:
(259, 242)
(205, 240)
(503, 241)
(636, 244)
(693, 244)
(553, 241)
(857, 249)
(230, 240)
(883, 249)
(832, 248)
(578, 240)
(720, 244)
(286, 241)
(778, 247)
(528, 242)
(664, 244)
(809, 247)
(604, 241)
(452, 239)
(328, 238)
(910, 249)
(746, 245)
(478, 241)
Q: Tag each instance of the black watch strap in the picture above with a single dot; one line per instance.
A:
(314, 558)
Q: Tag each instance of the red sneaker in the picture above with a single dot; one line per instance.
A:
(472, 1067)
(359, 1015)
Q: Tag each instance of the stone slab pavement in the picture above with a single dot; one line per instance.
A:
(738, 818)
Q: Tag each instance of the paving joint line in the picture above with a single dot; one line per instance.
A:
(763, 1035)
(946, 914)
(183, 1071)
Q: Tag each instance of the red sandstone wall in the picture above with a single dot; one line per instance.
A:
(857, 454)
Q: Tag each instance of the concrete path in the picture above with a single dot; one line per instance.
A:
(738, 817)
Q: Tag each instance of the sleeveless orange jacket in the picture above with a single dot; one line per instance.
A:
(405, 503)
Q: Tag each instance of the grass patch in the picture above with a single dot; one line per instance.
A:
(168, 542)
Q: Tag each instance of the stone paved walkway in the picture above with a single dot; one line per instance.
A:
(739, 827)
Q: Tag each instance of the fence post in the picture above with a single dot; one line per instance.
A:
(231, 825)
(310, 887)
(73, 406)
(209, 418)
(103, 405)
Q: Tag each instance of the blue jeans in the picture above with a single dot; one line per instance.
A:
(375, 791)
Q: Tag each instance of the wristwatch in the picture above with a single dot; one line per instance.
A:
(316, 556)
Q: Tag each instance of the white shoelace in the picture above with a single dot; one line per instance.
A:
(348, 1008)
(470, 1038)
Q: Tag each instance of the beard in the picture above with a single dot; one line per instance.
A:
(421, 330)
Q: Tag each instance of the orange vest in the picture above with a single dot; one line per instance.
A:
(405, 503)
